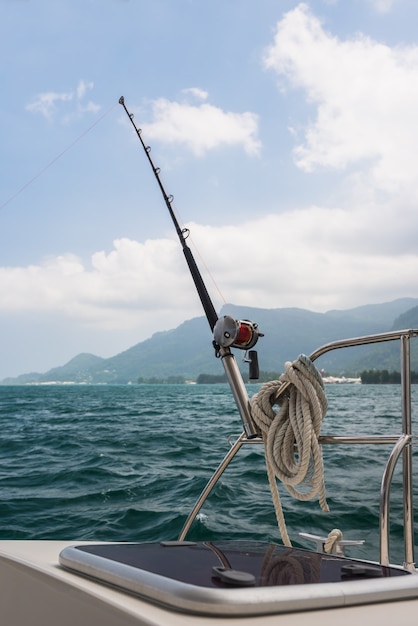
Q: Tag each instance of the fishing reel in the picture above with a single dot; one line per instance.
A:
(243, 334)
(231, 333)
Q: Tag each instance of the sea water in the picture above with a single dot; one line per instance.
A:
(127, 463)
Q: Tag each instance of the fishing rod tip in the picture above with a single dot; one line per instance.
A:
(121, 100)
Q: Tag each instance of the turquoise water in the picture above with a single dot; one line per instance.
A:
(128, 462)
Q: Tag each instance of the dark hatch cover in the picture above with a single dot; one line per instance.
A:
(214, 564)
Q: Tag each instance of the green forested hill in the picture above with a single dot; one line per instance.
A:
(187, 351)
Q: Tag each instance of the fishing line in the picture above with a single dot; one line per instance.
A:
(209, 273)
(44, 169)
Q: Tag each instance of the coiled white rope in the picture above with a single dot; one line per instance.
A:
(293, 453)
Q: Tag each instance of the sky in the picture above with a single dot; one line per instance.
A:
(286, 131)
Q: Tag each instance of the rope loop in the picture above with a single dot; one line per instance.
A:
(293, 452)
(331, 544)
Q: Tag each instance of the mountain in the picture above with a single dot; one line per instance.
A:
(187, 350)
(387, 355)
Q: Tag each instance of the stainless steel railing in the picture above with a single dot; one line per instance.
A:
(402, 446)
(402, 443)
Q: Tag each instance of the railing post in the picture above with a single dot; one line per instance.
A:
(210, 485)
(402, 443)
(407, 453)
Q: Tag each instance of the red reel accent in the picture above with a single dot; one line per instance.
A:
(244, 335)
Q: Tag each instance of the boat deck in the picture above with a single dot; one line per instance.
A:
(36, 590)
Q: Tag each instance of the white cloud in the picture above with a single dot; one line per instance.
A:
(202, 128)
(82, 88)
(301, 258)
(383, 6)
(198, 93)
(365, 95)
(48, 103)
(305, 258)
(110, 293)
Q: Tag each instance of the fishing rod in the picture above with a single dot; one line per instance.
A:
(182, 233)
(227, 331)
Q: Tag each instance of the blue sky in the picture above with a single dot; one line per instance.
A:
(286, 131)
